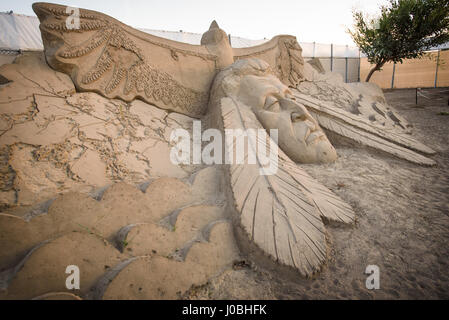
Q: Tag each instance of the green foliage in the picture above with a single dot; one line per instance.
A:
(403, 30)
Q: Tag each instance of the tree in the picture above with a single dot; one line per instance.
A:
(403, 30)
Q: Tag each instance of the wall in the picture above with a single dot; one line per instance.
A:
(412, 73)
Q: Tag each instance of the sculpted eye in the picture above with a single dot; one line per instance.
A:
(289, 95)
(296, 116)
(272, 104)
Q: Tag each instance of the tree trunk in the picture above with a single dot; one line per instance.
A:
(376, 68)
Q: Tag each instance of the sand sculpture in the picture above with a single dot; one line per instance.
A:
(115, 60)
(86, 181)
(358, 113)
(282, 213)
(177, 235)
(84, 141)
(252, 83)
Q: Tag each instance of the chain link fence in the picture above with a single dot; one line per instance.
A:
(341, 59)
(431, 71)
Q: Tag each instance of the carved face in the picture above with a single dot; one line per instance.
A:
(300, 136)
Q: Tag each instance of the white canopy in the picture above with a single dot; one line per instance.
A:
(19, 32)
(195, 38)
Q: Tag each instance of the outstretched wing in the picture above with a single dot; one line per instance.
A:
(281, 213)
(117, 61)
(283, 53)
(361, 131)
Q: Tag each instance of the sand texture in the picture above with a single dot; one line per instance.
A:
(86, 181)
(402, 222)
(54, 140)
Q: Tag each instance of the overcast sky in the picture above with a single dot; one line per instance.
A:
(323, 21)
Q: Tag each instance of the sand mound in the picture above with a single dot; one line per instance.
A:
(86, 182)
(55, 140)
(169, 232)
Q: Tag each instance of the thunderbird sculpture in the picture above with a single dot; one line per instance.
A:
(283, 215)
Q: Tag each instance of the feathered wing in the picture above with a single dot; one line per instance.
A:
(359, 130)
(330, 206)
(284, 55)
(281, 213)
(105, 56)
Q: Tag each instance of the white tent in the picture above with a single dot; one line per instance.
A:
(19, 32)
(195, 38)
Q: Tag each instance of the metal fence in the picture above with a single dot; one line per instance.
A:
(432, 70)
(341, 59)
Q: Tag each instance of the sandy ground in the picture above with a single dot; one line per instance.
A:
(402, 222)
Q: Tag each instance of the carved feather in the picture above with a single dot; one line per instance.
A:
(281, 213)
(86, 47)
(359, 130)
(106, 56)
(283, 53)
